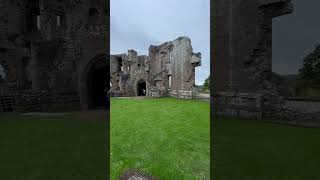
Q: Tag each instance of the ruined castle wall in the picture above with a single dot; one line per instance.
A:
(293, 110)
(242, 57)
(157, 74)
(125, 79)
(175, 60)
(242, 40)
(134, 70)
(52, 59)
(114, 72)
(236, 37)
(184, 62)
(181, 64)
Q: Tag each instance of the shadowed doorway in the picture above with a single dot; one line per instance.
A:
(97, 82)
(142, 88)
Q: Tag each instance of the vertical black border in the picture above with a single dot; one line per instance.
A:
(212, 51)
(107, 44)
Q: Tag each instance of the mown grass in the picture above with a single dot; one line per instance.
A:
(250, 150)
(43, 147)
(166, 138)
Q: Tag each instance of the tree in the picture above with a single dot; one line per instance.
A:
(310, 70)
(309, 83)
(206, 85)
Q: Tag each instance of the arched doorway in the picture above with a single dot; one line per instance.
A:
(95, 80)
(141, 88)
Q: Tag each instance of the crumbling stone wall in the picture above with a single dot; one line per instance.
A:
(242, 69)
(126, 70)
(293, 110)
(173, 60)
(243, 43)
(47, 45)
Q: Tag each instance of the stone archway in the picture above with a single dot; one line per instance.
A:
(94, 81)
(141, 88)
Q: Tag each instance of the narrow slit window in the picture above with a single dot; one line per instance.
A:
(169, 81)
(38, 22)
(58, 21)
(129, 68)
(118, 84)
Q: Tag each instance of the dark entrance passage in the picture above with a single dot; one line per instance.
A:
(97, 83)
(142, 88)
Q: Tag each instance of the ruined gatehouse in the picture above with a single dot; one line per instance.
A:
(168, 70)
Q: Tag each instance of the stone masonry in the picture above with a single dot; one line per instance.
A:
(241, 63)
(48, 49)
(168, 70)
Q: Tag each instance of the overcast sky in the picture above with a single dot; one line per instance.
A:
(295, 35)
(137, 24)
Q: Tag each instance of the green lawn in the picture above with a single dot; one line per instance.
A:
(251, 150)
(166, 138)
(52, 148)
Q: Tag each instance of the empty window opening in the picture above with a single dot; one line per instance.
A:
(120, 67)
(24, 75)
(118, 83)
(2, 73)
(3, 50)
(58, 21)
(129, 69)
(32, 12)
(93, 12)
(169, 79)
(38, 22)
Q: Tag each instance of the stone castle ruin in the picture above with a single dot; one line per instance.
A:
(168, 70)
(53, 58)
(53, 54)
(242, 64)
